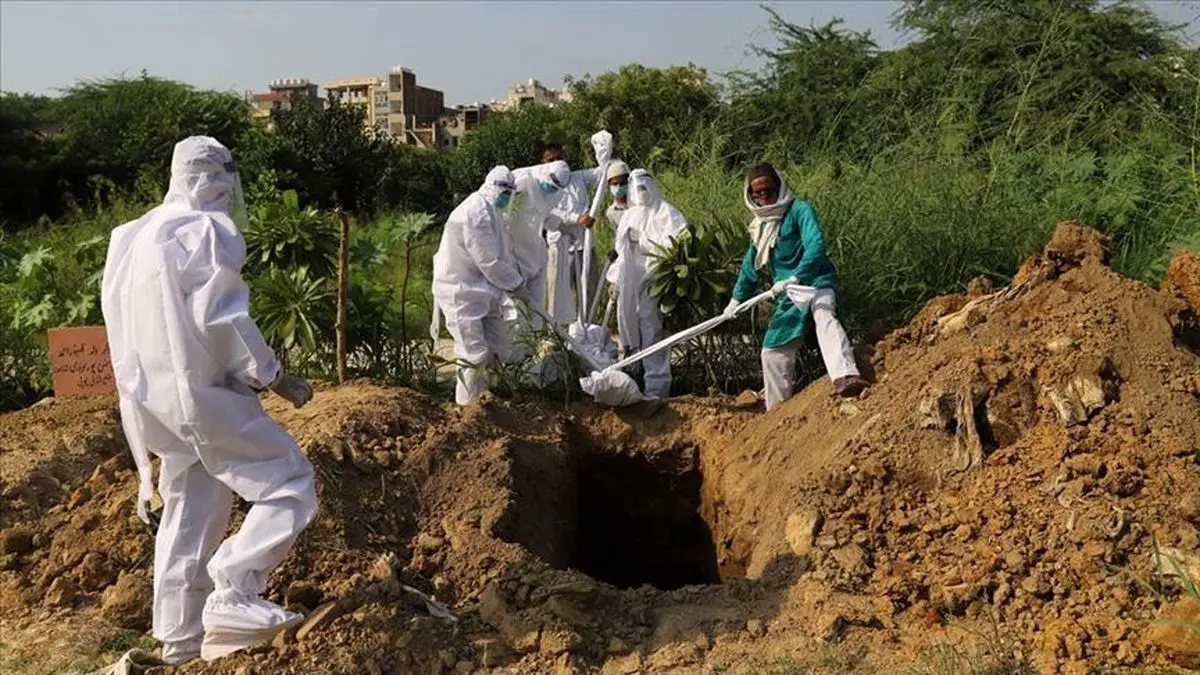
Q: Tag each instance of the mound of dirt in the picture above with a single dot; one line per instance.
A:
(1025, 469)
(1183, 278)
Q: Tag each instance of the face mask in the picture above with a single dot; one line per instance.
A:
(619, 191)
(549, 188)
(502, 200)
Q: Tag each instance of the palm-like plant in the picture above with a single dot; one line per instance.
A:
(295, 313)
(285, 236)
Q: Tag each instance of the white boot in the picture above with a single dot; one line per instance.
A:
(179, 653)
(234, 621)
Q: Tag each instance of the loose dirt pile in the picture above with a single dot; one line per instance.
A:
(998, 498)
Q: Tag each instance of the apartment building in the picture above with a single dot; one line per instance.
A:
(413, 110)
(399, 106)
(531, 92)
(369, 93)
(281, 94)
(458, 122)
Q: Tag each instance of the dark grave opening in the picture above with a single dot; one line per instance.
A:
(629, 517)
(638, 520)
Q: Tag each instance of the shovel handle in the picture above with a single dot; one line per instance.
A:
(694, 331)
(565, 337)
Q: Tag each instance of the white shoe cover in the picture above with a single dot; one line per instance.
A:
(234, 621)
(179, 653)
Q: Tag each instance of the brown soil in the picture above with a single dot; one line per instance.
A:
(995, 499)
(1183, 278)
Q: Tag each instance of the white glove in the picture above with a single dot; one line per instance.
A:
(293, 388)
(731, 309)
(522, 293)
(602, 144)
(780, 287)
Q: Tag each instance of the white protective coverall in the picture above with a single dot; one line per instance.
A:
(188, 360)
(526, 221)
(645, 229)
(613, 213)
(566, 244)
(473, 272)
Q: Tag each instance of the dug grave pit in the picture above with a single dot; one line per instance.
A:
(627, 516)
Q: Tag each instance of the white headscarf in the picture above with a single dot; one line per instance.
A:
(764, 229)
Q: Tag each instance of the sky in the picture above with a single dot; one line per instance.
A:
(472, 51)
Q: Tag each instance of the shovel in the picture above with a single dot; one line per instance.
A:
(593, 338)
(616, 389)
(595, 360)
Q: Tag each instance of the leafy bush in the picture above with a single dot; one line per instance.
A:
(295, 312)
(283, 235)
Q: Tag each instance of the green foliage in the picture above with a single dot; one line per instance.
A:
(26, 176)
(295, 313)
(511, 139)
(334, 158)
(390, 299)
(284, 235)
(809, 98)
(121, 127)
(650, 111)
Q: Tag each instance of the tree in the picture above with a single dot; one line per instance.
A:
(332, 156)
(651, 112)
(1034, 71)
(120, 127)
(809, 96)
(416, 179)
(508, 138)
(27, 179)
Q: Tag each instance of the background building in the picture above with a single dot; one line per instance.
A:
(532, 92)
(413, 110)
(369, 93)
(400, 107)
(460, 121)
(281, 95)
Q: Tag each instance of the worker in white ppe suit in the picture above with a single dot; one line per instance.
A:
(566, 244)
(189, 364)
(646, 229)
(473, 273)
(537, 193)
(618, 189)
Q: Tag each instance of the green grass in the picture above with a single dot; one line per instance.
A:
(828, 659)
(988, 652)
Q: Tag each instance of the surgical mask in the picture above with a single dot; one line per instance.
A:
(548, 188)
(502, 200)
(619, 191)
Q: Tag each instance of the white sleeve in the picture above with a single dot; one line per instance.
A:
(482, 241)
(592, 177)
(220, 304)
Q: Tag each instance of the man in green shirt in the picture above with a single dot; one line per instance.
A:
(786, 242)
